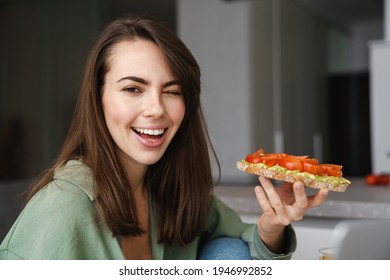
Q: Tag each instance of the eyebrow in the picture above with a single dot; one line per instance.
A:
(145, 82)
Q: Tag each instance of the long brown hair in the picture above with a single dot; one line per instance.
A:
(180, 182)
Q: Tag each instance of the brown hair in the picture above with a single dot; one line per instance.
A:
(181, 181)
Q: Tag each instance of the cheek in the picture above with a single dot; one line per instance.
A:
(177, 113)
(114, 113)
(112, 119)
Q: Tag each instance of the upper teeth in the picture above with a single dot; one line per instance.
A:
(150, 131)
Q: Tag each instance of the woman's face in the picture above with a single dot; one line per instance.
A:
(142, 102)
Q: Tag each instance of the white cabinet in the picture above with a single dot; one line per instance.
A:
(380, 106)
(312, 234)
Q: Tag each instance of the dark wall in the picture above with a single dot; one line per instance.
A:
(349, 122)
(43, 51)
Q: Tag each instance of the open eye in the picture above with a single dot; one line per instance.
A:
(132, 90)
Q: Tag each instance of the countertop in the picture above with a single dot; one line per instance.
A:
(358, 201)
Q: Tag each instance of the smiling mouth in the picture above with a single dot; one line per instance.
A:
(149, 134)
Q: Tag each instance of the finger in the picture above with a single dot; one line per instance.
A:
(319, 198)
(272, 194)
(301, 201)
(276, 202)
(286, 193)
(262, 199)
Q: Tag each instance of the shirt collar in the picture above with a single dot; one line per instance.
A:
(78, 174)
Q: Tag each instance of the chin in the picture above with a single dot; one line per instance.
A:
(149, 160)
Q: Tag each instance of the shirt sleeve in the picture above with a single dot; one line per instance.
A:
(225, 222)
(58, 223)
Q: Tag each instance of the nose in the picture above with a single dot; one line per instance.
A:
(153, 105)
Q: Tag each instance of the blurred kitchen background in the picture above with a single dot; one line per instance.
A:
(286, 75)
(307, 77)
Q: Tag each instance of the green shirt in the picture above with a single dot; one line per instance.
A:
(60, 222)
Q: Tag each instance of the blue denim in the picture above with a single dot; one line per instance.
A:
(225, 248)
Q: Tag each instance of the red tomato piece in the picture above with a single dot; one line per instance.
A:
(259, 152)
(310, 161)
(332, 169)
(384, 180)
(313, 169)
(252, 158)
(270, 162)
(303, 163)
(371, 180)
(291, 163)
(301, 158)
(311, 166)
(332, 166)
(269, 156)
(377, 179)
(273, 156)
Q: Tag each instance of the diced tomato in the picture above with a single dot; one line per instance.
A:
(269, 156)
(270, 162)
(299, 163)
(252, 158)
(333, 166)
(313, 168)
(332, 169)
(310, 161)
(259, 152)
(301, 158)
(275, 155)
(255, 157)
(291, 163)
(268, 159)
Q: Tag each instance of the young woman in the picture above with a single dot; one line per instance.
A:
(134, 180)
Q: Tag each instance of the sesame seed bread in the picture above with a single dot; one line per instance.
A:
(336, 184)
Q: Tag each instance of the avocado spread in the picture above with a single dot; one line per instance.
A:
(323, 178)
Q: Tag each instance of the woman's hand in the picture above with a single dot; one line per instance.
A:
(280, 207)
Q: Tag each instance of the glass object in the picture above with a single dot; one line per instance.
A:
(328, 253)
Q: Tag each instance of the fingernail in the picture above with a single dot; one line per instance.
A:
(325, 192)
(257, 189)
(263, 179)
(299, 186)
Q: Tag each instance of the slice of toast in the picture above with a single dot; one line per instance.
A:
(337, 184)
